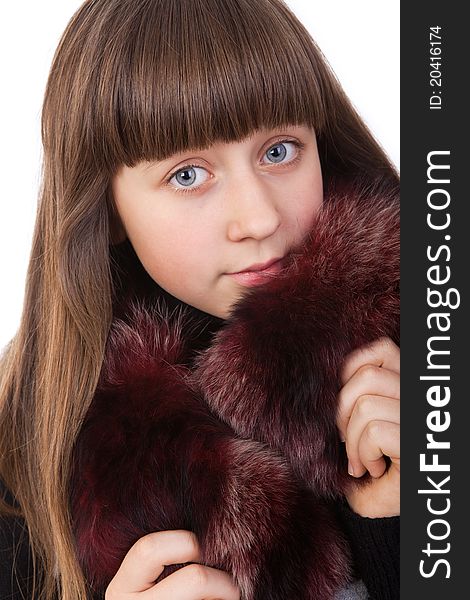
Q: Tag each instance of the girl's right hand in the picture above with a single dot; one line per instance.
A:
(147, 558)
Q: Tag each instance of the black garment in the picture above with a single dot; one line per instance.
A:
(375, 546)
(15, 556)
(374, 543)
(14, 549)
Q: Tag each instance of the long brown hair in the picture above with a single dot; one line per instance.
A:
(136, 80)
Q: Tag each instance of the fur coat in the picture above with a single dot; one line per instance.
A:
(235, 438)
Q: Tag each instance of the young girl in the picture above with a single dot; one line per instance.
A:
(209, 337)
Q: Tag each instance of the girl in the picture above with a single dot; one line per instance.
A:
(211, 309)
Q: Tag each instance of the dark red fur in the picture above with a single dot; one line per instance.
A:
(273, 372)
(238, 442)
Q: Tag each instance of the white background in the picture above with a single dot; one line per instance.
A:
(360, 40)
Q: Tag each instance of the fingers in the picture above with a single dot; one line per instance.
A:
(380, 498)
(377, 439)
(370, 417)
(368, 380)
(195, 582)
(382, 352)
(368, 407)
(146, 559)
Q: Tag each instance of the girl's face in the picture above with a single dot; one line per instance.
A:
(198, 217)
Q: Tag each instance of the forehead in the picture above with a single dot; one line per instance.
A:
(210, 87)
(253, 138)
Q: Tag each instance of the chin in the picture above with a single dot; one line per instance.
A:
(220, 313)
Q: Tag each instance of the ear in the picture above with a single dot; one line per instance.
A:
(117, 232)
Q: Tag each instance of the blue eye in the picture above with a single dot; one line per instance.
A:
(187, 176)
(191, 178)
(278, 152)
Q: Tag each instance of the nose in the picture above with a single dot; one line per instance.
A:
(252, 209)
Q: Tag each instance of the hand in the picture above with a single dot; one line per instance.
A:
(147, 558)
(369, 423)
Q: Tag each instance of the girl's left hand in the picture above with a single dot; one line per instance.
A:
(369, 423)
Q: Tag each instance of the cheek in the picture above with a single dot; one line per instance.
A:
(174, 251)
(305, 201)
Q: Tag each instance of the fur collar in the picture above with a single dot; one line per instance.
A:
(228, 428)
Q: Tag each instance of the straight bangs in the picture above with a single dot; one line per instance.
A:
(183, 74)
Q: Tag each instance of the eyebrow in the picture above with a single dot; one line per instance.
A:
(154, 163)
(151, 164)
(172, 157)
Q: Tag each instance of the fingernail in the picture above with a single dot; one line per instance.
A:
(350, 469)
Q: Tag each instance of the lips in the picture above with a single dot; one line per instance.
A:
(260, 266)
(259, 273)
